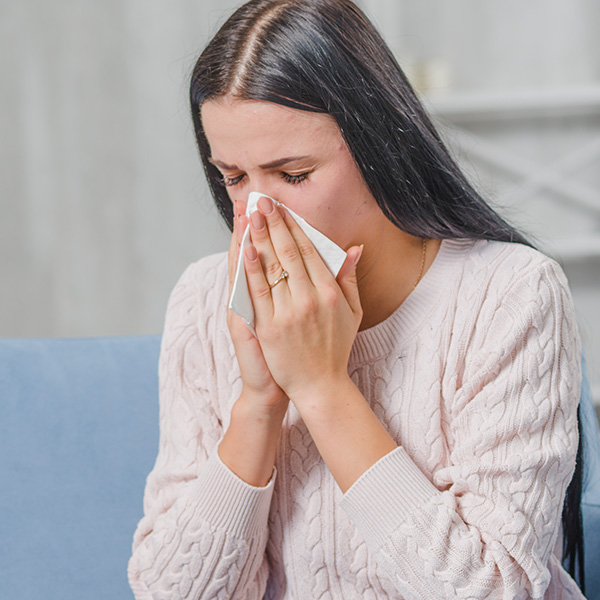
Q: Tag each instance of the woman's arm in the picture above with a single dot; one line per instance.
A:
(204, 529)
(250, 443)
(488, 526)
(348, 435)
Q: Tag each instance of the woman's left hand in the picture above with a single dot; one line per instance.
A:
(307, 322)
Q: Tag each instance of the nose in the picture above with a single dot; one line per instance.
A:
(264, 186)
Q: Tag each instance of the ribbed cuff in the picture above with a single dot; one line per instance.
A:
(385, 495)
(231, 504)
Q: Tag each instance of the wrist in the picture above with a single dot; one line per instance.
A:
(325, 397)
(346, 431)
(249, 445)
(257, 407)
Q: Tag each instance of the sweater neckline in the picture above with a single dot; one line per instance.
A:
(377, 341)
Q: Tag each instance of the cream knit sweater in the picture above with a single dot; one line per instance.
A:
(477, 378)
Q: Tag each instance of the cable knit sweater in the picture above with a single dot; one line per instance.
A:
(476, 376)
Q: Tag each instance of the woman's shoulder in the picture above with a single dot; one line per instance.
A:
(200, 290)
(507, 292)
(506, 255)
(212, 267)
(492, 281)
(505, 287)
(505, 265)
(205, 276)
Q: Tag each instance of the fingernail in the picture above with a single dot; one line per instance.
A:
(251, 253)
(282, 212)
(265, 205)
(258, 221)
(362, 247)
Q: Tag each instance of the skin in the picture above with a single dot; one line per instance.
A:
(306, 324)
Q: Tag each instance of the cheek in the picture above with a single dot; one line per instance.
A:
(333, 212)
(346, 208)
(340, 226)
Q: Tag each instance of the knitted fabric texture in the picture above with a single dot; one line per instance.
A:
(476, 376)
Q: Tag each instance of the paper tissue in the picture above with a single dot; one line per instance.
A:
(333, 256)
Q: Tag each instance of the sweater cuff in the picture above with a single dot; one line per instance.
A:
(229, 503)
(384, 496)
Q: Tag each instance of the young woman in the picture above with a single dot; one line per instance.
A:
(407, 429)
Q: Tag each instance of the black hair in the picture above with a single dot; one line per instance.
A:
(325, 56)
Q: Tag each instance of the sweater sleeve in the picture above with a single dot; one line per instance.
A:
(485, 527)
(204, 530)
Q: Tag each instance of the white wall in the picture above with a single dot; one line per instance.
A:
(102, 197)
(102, 200)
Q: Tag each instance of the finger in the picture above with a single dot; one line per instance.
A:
(260, 292)
(347, 279)
(240, 222)
(231, 256)
(240, 218)
(314, 265)
(285, 249)
(271, 264)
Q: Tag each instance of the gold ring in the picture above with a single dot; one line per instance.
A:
(284, 275)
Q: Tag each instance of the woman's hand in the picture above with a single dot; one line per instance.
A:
(259, 386)
(307, 322)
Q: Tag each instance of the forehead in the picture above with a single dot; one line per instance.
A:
(230, 122)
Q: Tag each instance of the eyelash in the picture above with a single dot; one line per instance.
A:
(229, 181)
(292, 179)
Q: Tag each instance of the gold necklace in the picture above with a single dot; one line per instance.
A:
(422, 263)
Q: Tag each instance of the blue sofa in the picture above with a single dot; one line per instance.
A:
(79, 434)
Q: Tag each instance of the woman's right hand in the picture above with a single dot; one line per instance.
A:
(259, 387)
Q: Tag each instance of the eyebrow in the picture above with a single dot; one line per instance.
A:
(270, 165)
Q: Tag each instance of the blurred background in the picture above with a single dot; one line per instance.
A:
(103, 201)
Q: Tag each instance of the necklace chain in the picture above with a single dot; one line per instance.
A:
(422, 263)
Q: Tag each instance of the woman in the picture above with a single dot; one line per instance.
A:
(405, 430)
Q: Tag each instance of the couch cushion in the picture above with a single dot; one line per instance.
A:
(78, 436)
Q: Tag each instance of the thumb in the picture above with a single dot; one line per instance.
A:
(347, 280)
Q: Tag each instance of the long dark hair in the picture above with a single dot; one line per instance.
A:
(325, 56)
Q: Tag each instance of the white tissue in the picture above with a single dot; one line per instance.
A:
(333, 256)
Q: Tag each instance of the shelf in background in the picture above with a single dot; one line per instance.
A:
(538, 103)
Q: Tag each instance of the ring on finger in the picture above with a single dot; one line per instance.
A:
(284, 275)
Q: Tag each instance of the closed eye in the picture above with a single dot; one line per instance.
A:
(230, 181)
(294, 179)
